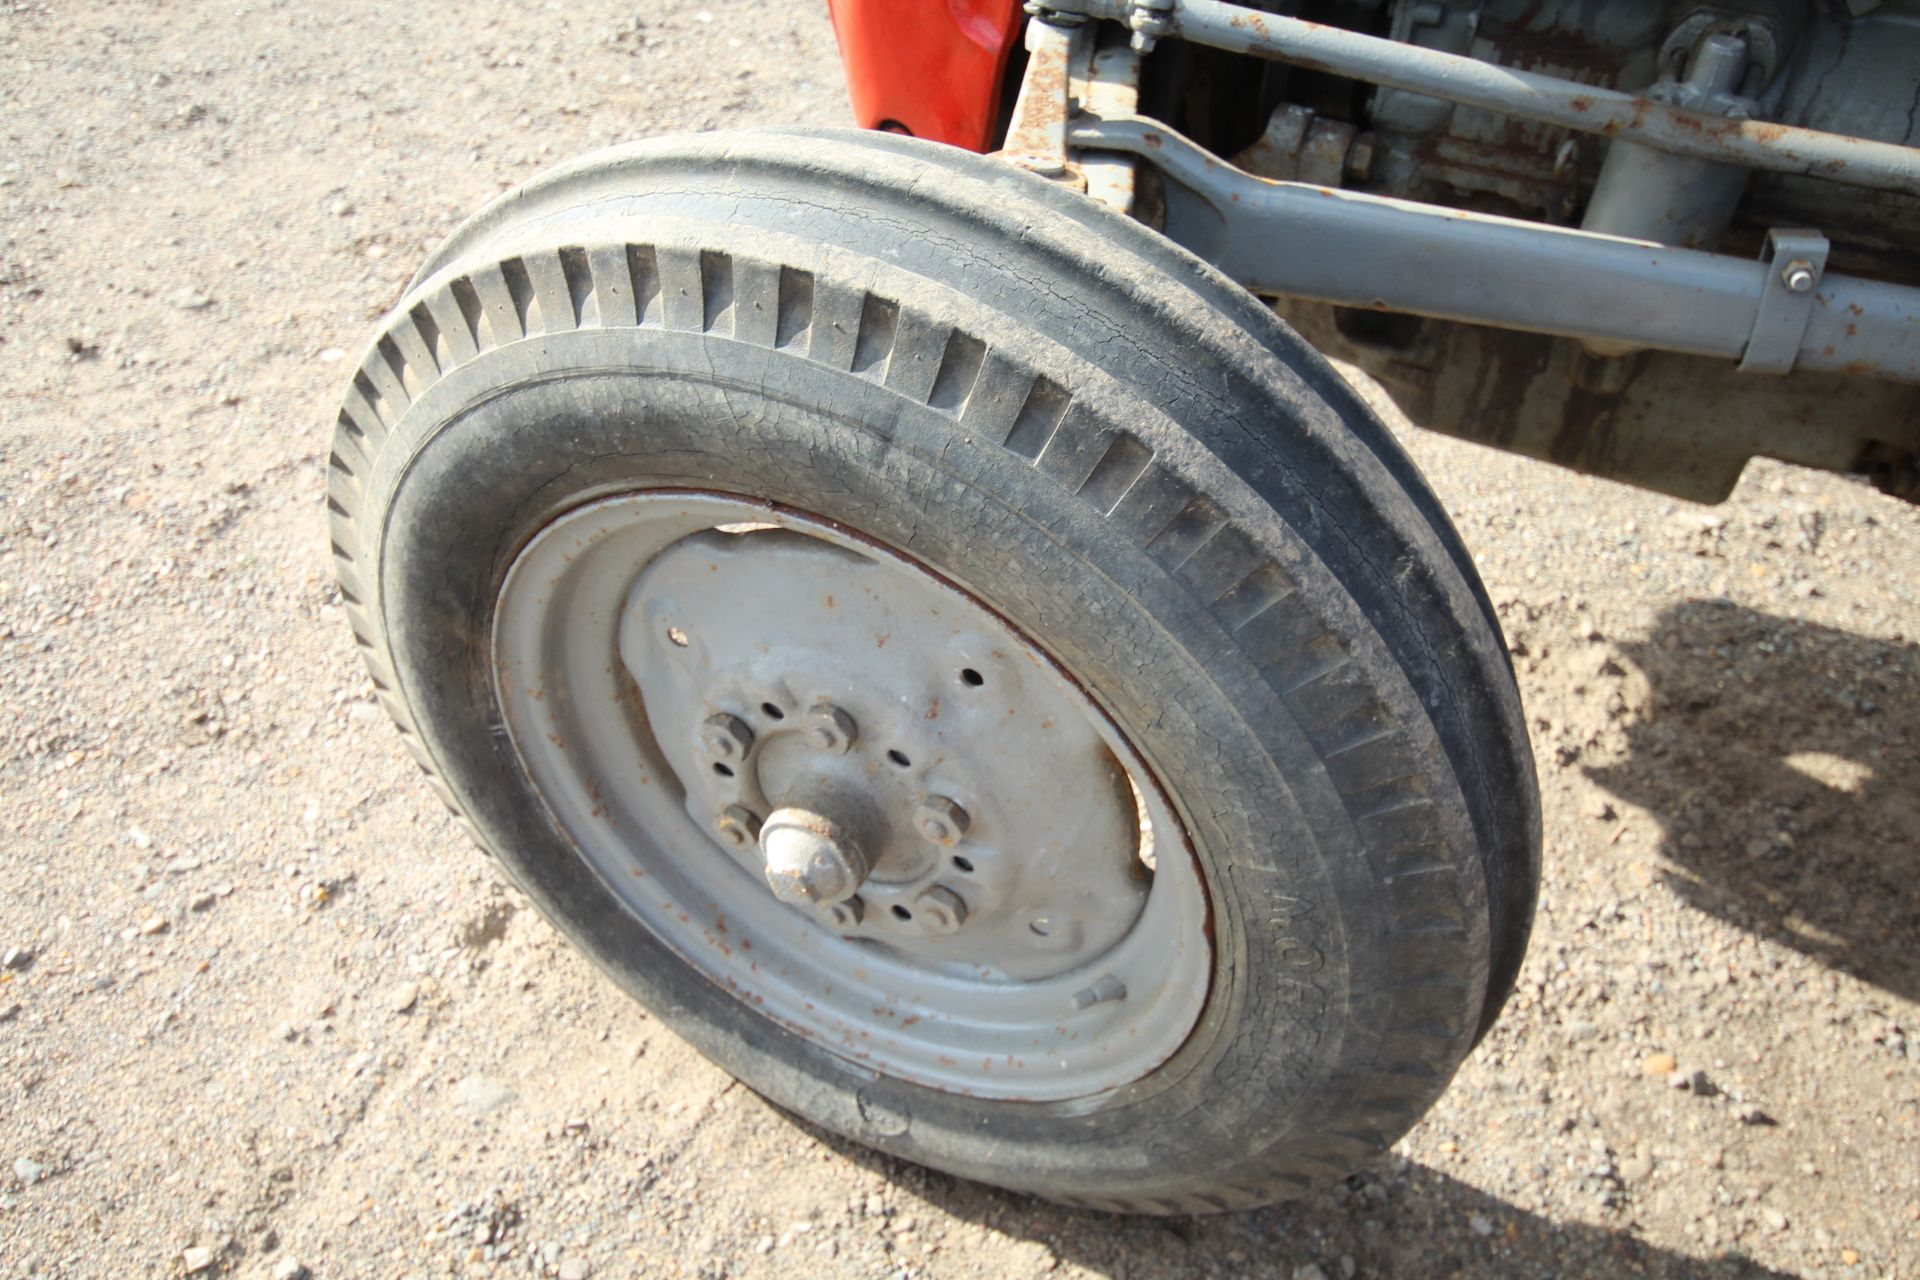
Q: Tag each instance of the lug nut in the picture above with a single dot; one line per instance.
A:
(940, 820)
(726, 737)
(830, 729)
(846, 916)
(738, 827)
(940, 909)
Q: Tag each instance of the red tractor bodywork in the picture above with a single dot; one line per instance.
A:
(931, 68)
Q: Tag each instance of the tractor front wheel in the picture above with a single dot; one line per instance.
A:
(957, 659)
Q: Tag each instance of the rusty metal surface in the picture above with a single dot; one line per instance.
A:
(1037, 134)
(723, 606)
(1756, 144)
(1675, 424)
(1858, 78)
(1796, 260)
(1400, 256)
(1110, 87)
(1654, 195)
(1299, 146)
(1436, 150)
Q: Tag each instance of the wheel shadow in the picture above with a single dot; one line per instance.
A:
(1782, 762)
(1401, 1220)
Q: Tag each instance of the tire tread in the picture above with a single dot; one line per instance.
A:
(998, 398)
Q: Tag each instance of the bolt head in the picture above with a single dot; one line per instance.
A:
(830, 729)
(940, 909)
(1799, 276)
(737, 826)
(726, 737)
(940, 820)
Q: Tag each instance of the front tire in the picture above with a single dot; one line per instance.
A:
(1097, 443)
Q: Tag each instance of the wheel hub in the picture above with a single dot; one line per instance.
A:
(853, 795)
(890, 748)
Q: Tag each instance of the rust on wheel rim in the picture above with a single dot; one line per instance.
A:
(850, 793)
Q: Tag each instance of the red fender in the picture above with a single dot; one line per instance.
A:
(931, 68)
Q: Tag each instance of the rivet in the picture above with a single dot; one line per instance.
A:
(1054, 931)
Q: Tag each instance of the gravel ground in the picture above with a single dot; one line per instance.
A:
(263, 1011)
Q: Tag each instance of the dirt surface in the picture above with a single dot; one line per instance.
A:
(264, 1010)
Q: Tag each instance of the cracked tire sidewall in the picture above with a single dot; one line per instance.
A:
(1344, 995)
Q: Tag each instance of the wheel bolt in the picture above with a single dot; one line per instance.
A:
(847, 915)
(738, 827)
(830, 729)
(940, 909)
(726, 737)
(940, 820)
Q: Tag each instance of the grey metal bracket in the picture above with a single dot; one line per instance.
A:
(1073, 66)
(1796, 261)
(1037, 133)
(1356, 250)
(1111, 88)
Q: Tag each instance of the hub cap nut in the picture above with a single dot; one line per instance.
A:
(726, 737)
(940, 820)
(830, 729)
(940, 909)
(811, 859)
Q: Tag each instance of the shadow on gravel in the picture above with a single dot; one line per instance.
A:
(1402, 1220)
(1782, 760)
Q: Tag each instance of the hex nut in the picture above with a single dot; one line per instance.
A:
(1149, 20)
(846, 915)
(738, 827)
(726, 737)
(940, 909)
(940, 820)
(1360, 157)
(1799, 276)
(831, 730)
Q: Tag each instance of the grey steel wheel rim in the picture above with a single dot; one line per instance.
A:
(849, 793)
